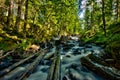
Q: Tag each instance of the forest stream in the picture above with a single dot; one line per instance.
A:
(59, 39)
(60, 59)
(70, 66)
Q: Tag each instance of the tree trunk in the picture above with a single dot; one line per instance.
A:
(18, 18)
(26, 17)
(10, 12)
(117, 2)
(103, 17)
(34, 18)
(2, 11)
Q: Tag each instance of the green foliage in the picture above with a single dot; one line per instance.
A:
(93, 25)
(7, 45)
(113, 41)
(98, 38)
(24, 44)
(44, 20)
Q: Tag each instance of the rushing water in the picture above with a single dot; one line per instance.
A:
(71, 68)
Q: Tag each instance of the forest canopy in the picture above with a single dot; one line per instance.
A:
(23, 22)
(37, 20)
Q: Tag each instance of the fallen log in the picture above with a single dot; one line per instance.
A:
(103, 71)
(98, 60)
(57, 69)
(8, 53)
(49, 56)
(1, 53)
(14, 74)
(54, 71)
(5, 71)
(51, 71)
(33, 65)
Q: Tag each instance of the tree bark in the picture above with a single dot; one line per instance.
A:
(2, 11)
(2, 72)
(10, 12)
(26, 18)
(54, 71)
(33, 65)
(103, 17)
(117, 2)
(18, 18)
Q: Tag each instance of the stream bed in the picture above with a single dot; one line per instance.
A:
(71, 68)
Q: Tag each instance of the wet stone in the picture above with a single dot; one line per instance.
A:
(68, 56)
(74, 75)
(81, 44)
(43, 68)
(66, 48)
(65, 78)
(46, 62)
(88, 46)
(75, 66)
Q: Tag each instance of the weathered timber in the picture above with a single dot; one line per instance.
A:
(51, 71)
(97, 59)
(14, 74)
(5, 71)
(103, 71)
(49, 56)
(54, 71)
(8, 53)
(1, 53)
(57, 73)
(33, 65)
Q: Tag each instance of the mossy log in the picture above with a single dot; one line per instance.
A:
(8, 53)
(33, 65)
(49, 56)
(97, 59)
(7, 70)
(103, 71)
(54, 71)
(57, 73)
(20, 72)
(14, 74)
(1, 53)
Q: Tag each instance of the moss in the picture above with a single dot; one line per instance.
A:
(113, 41)
(7, 45)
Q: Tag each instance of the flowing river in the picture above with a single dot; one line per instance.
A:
(71, 68)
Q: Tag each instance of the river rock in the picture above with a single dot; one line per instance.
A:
(74, 75)
(81, 44)
(88, 46)
(65, 77)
